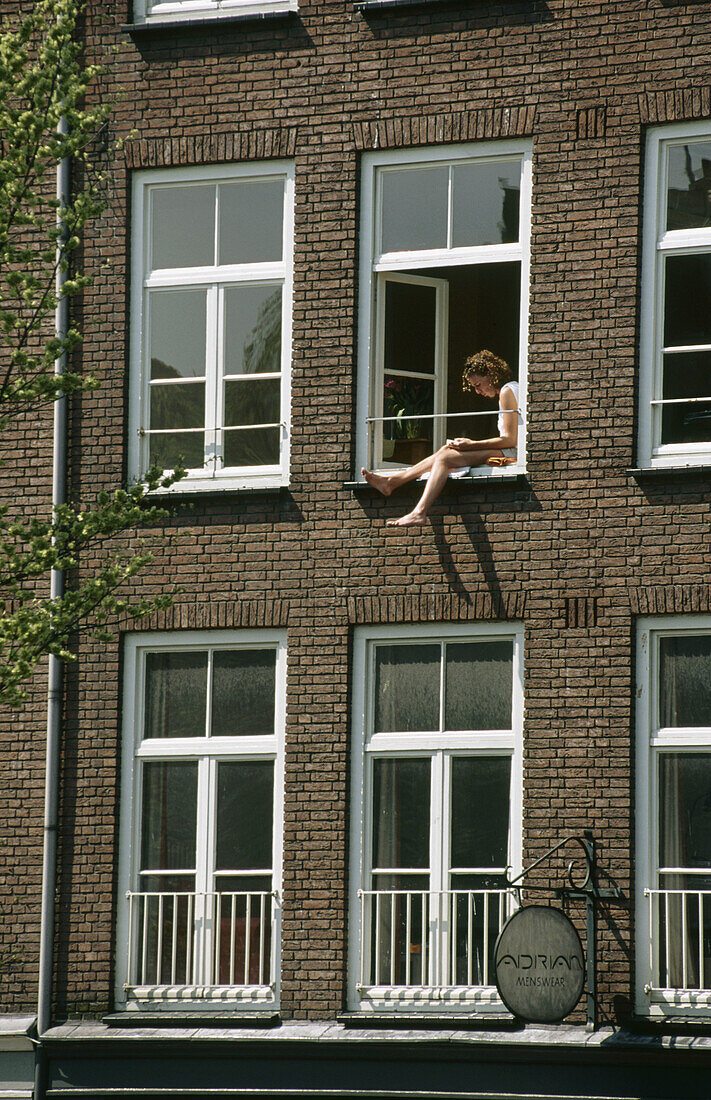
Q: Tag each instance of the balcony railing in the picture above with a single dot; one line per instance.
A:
(201, 941)
(390, 436)
(430, 938)
(680, 940)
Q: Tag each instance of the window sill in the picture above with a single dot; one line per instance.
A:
(370, 7)
(184, 490)
(683, 468)
(194, 21)
(504, 474)
(423, 1022)
(188, 1019)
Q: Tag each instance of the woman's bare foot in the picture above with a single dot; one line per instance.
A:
(412, 519)
(381, 482)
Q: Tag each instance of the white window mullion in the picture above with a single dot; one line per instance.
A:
(213, 378)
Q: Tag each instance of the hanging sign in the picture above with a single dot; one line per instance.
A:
(539, 964)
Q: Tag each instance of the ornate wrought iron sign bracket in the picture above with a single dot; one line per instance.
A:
(582, 883)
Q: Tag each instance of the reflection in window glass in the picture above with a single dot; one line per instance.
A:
(485, 203)
(252, 330)
(401, 813)
(178, 323)
(687, 300)
(176, 695)
(480, 811)
(685, 810)
(245, 814)
(243, 692)
(478, 685)
(685, 680)
(169, 818)
(687, 374)
(179, 406)
(406, 688)
(689, 186)
(183, 226)
(251, 221)
(414, 209)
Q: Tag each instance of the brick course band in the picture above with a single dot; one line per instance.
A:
(677, 106)
(675, 599)
(401, 133)
(418, 609)
(228, 615)
(211, 148)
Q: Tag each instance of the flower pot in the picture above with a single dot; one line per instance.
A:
(409, 451)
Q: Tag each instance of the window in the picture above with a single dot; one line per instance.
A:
(211, 324)
(201, 819)
(675, 352)
(170, 11)
(674, 834)
(444, 273)
(436, 814)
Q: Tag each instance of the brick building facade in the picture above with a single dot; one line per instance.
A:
(314, 198)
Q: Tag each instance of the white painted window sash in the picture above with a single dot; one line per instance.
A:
(207, 752)
(159, 11)
(653, 742)
(215, 279)
(657, 244)
(439, 747)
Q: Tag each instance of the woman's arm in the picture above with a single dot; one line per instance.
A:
(509, 408)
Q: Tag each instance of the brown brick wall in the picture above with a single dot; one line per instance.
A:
(574, 553)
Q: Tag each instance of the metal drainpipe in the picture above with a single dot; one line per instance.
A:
(55, 683)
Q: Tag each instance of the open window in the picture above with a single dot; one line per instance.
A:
(444, 273)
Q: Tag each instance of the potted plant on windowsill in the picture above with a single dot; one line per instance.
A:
(405, 398)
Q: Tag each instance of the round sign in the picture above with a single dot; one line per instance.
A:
(539, 964)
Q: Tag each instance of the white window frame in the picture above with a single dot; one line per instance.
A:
(172, 11)
(374, 264)
(211, 478)
(656, 244)
(652, 741)
(247, 748)
(368, 746)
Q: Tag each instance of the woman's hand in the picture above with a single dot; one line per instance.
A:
(462, 444)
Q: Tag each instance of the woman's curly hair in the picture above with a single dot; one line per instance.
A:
(486, 365)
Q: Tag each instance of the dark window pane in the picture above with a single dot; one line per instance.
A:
(178, 322)
(186, 447)
(183, 226)
(252, 330)
(414, 209)
(406, 688)
(243, 688)
(689, 186)
(687, 375)
(169, 818)
(685, 810)
(251, 216)
(245, 814)
(485, 203)
(410, 333)
(253, 402)
(178, 406)
(176, 695)
(252, 447)
(478, 685)
(480, 811)
(401, 813)
(687, 300)
(685, 680)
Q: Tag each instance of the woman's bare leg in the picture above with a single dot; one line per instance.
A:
(388, 483)
(444, 462)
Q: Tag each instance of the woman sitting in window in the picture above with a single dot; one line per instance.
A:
(488, 376)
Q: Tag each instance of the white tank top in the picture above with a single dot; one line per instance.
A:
(513, 386)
